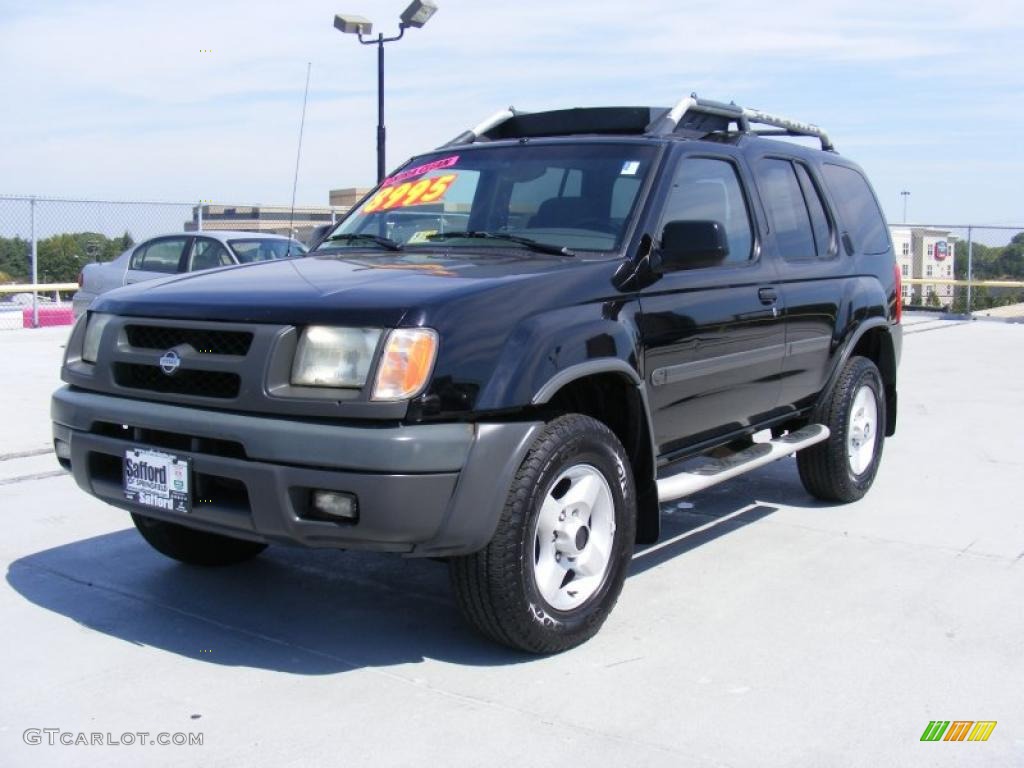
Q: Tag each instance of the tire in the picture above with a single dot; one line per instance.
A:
(843, 467)
(554, 569)
(195, 547)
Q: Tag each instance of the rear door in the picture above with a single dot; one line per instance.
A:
(812, 270)
(713, 337)
(157, 258)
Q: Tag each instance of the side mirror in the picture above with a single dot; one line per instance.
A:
(692, 245)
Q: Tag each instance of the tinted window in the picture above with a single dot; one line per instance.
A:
(819, 219)
(207, 254)
(265, 249)
(160, 255)
(709, 190)
(576, 196)
(858, 211)
(787, 212)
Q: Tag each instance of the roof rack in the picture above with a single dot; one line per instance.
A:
(691, 115)
(742, 116)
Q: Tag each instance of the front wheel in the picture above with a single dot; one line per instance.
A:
(195, 547)
(553, 571)
(843, 467)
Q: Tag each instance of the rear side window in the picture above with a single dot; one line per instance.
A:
(787, 210)
(858, 210)
(160, 255)
(816, 207)
(705, 189)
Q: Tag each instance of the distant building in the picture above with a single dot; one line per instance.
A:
(279, 219)
(923, 252)
(347, 196)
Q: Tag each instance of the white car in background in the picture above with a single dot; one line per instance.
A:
(176, 253)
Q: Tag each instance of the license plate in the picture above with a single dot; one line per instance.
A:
(157, 479)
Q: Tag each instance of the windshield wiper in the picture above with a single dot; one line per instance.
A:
(383, 242)
(533, 245)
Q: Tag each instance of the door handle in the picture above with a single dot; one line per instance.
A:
(767, 295)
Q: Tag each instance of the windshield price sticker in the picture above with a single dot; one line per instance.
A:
(419, 170)
(410, 193)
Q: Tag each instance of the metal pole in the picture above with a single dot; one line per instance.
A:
(970, 266)
(35, 262)
(380, 108)
(199, 220)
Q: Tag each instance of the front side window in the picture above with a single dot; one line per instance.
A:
(160, 255)
(208, 254)
(574, 196)
(265, 249)
(708, 189)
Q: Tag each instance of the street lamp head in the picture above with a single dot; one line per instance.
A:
(353, 25)
(418, 13)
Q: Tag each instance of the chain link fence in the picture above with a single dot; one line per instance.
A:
(47, 241)
(962, 268)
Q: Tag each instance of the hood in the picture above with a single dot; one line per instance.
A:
(369, 289)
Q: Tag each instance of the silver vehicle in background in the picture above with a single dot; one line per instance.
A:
(176, 253)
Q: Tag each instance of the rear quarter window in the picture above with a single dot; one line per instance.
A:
(858, 211)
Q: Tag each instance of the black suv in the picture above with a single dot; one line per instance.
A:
(506, 356)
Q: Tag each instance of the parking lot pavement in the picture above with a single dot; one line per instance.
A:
(765, 630)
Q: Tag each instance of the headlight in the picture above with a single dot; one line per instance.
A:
(406, 363)
(334, 357)
(93, 333)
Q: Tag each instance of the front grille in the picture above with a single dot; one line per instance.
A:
(204, 341)
(185, 382)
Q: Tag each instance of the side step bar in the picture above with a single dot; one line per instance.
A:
(715, 471)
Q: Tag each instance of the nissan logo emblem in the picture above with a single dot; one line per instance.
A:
(170, 362)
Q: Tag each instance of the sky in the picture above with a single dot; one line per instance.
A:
(195, 100)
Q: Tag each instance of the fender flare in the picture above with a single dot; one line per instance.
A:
(848, 346)
(648, 509)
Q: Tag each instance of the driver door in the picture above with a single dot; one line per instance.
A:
(713, 336)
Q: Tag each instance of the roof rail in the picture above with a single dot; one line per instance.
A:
(743, 117)
(693, 115)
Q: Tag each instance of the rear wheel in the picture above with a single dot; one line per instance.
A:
(192, 546)
(555, 567)
(843, 467)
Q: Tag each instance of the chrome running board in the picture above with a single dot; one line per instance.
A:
(715, 471)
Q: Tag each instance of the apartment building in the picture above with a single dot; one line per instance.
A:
(924, 252)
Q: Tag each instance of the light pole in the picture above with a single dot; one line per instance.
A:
(416, 15)
(904, 194)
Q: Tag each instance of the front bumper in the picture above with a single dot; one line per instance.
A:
(424, 490)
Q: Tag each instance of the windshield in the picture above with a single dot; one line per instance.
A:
(265, 249)
(569, 196)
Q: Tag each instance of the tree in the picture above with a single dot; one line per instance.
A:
(14, 257)
(60, 258)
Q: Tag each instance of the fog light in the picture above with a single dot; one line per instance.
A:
(336, 505)
(62, 449)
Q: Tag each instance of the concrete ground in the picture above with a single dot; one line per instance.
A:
(765, 630)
